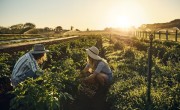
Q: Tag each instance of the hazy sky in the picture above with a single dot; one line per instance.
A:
(92, 14)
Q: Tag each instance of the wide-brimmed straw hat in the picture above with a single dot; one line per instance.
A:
(93, 52)
(39, 48)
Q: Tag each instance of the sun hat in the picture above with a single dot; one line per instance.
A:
(39, 48)
(93, 52)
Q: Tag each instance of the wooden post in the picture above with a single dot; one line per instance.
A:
(149, 73)
(159, 34)
(140, 34)
(143, 34)
(154, 34)
(176, 35)
(134, 33)
(146, 34)
(166, 34)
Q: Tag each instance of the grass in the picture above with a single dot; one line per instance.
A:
(4, 37)
(170, 37)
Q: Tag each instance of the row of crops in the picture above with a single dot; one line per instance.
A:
(59, 87)
(129, 61)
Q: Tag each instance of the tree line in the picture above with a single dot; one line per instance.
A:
(174, 23)
(30, 28)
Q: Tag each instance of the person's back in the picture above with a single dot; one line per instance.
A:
(27, 65)
(24, 64)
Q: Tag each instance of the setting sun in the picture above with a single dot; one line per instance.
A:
(122, 21)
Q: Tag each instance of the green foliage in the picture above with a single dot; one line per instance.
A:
(57, 88)
(171, 43)
(142, 46)
(130, 71)
(129, 53)
(4, 67)
(45, 92)
(119, 45)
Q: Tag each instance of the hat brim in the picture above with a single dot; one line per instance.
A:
(92, 55)
(36, 52)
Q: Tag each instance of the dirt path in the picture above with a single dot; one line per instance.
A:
(6, 46)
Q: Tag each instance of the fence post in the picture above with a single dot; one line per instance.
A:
(134, 33)
(176, 35)
(138, 33)
(143, 34)
(149, 73)
(166, 34)
(159, 34)
(154, 35)
(146, 34)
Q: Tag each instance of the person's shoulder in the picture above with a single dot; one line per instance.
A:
(101, 63)
(26, 56)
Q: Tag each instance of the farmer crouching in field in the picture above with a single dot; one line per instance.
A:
(100, 70)
(28, 65)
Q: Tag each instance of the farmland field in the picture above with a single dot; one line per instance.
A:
(19, 38)
(59, 87)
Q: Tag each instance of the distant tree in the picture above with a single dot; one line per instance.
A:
(16, 29)
(72, 28)
(29, 25)
(17, 26)
(47, 29)
(77, 30)
(58, 29)
(4, 30)
(108, 29)
(87, 29)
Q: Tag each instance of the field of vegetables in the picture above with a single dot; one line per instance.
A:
(58, 88)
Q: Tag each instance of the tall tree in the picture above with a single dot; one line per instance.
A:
(87, 29)
(72, 28)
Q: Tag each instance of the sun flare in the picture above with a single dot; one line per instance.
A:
(123, 22)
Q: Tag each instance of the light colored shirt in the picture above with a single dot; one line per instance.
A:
(101, 67)
(24, 64)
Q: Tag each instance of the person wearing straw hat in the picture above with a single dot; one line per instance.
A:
(101, 71)
(28, 65)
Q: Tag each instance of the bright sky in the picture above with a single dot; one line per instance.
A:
(83, 14)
